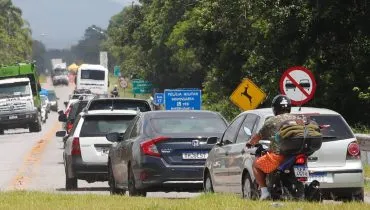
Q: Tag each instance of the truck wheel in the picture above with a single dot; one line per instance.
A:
(35, 127)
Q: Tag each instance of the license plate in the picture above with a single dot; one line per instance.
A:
(194, 156)
(320, 177)
(13, 117)
(301, 171)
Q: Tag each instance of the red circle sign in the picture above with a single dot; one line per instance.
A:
(298, 83)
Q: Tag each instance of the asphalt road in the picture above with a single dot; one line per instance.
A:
(33, 161)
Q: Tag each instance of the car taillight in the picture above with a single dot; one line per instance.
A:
(76, 150)
(300, 159)
(353, 151)
(148, 147)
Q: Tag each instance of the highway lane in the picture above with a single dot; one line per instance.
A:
(33, 161)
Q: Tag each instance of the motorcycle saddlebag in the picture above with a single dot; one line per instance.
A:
(298, 145)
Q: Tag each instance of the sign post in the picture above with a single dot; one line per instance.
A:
(298, 83)
(190, 99)
(247, 95)
(104, 59)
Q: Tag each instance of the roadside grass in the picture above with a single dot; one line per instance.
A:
(359, 128)
(39, 200)
(127, 92)
(367, 170)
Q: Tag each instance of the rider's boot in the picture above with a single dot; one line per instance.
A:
(265, 194)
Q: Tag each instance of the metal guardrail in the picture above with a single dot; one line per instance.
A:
(364, 142)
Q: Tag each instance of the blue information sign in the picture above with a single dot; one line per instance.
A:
(159, 98)
(183, 99)
(117, 71)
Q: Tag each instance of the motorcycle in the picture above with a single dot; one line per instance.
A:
(289, 181)
(114, 94)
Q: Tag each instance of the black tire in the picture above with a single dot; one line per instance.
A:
(71, 183)
(131, 185)
(249, 191)
(112, 184)
(36, 127)
(1, 131)
(359, 197)
(207, 183)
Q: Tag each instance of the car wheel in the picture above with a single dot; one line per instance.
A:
(112, 184)
(249, 191)
(359, 197)
(36, 127)
(1, 131)
(71, 183)
(207, 183)
(131, 185)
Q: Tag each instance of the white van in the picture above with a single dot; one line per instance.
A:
(94, 78)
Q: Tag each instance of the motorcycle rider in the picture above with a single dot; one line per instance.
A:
(115, 91)
(281, 107)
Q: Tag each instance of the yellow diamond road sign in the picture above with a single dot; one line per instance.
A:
(247, 95)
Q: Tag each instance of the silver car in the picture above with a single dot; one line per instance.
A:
(336, 165)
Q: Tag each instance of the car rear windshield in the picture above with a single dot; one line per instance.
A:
(76, 109)
(336, 127)
(52, 96)
(119, 105)
(186, 124)
(93, 74)
(102, 124)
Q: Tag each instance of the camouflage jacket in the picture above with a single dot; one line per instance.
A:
(270, 128)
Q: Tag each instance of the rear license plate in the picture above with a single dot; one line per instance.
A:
(11, 117)
(194, 156)
(301, 171)
(320, 177)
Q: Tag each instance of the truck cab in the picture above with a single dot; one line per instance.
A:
(20, 104)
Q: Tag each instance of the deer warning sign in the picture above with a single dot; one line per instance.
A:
(247, 95)
(298, 83)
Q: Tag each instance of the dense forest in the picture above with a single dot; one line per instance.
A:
(15, 35)
(213, 44)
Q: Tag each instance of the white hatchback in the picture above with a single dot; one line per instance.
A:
(86, 150)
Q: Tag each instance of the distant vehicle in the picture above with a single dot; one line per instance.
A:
(76, 97)
(45, 103)
(44, 108)
(336, 165)
(53, 99)
(162, 151)
(20, 102)
(82, 91)
(86, 150)
(119, 103)
(60, 76)
(92, 77)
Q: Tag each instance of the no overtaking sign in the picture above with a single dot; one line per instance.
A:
(298, 83)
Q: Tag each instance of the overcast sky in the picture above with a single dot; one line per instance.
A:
(61, 23)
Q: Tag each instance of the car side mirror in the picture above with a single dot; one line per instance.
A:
(212, 140)
(114, 137)
(60, 133)
(62, 118)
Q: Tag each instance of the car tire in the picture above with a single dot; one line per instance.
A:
(131, 185)
(71, 183)
(1, 131)
(36, 127)
(112, 184)
(249, 191)
(359, 197)
(207, 183)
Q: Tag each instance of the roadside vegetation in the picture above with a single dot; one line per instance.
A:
(37, 200)
(127, 92)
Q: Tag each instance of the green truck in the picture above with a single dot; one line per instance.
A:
(20, 102)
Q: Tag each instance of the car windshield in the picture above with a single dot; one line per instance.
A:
(334, 127)
(188, 124)
(93, 74)
(14, 89)
(61, 72)
(100, 125)
(119, 105)
(52, 96)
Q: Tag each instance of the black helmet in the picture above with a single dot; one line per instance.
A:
(281, 104)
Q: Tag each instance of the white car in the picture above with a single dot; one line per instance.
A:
(336, 165)
(86, 150)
